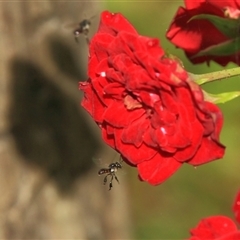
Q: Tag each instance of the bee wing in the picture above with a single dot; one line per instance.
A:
(70, 25)
(104, 163)
(121, 172)
(92, 17)
(100, 162)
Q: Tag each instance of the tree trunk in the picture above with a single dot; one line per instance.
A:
(50, 187)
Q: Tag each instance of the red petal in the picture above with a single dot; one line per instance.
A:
(99, 46)
(107, 136)
(113, 90)
(216, 119)
(159, 138)
(208, 151)
(91, 102)
(135, 42)
(92, 64)
(148, 60)
(214, 228)
(158, 169)
(119, 47)
(120, 62)
(101, 68)
(114, 76)
(236, 207)
(193, 4)
(118, 116)
(97, 85)
(183, 155)
(184, 37)
(138, 79)
(112, 23)
(133, 134)
(149, 98)
(132, 153)
(183, 34)
(186, 103)
(231, 236)
(148, 138)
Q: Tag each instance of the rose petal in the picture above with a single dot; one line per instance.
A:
(114, 49)
(182, 31)
(113, 23)
(134, 154)
(236, 207)
(108, 138)
(214, 228)
(99, 46)
(121, 63)
(133, 133)
(118, 116)
(183, 155)
(113, 90)
(207, 152)
(158, 169)
(92, 103)
(145, 103)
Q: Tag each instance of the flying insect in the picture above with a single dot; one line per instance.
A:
(83, 28)
(110, 172)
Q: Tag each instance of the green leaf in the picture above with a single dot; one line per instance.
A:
(229, 27)
(227, 48)
(214, 76)
(221, 97)
(202, 81)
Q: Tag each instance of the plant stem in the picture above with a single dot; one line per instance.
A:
(214, 76)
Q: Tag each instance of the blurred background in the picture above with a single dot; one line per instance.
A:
(49, 184)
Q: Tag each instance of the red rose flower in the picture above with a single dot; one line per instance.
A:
(199, 34)
(236, 207)
(146, 105)
(216, 227)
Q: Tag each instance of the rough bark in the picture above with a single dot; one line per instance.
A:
(50, 188)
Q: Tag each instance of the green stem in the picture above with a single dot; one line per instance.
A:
(214, 76)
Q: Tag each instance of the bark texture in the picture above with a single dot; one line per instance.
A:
(49, 185)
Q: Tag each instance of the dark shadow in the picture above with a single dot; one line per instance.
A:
(47, 126)
(64, 58)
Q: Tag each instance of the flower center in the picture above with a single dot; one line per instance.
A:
(131, 103)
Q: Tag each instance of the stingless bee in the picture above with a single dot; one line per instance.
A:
(83, 28)
(110, 171)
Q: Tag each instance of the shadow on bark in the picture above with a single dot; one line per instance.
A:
(47, 126)
(64, 58)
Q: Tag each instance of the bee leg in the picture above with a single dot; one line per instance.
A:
(87, 39)
(110, 186)
(110, 183)
(76, 39)
(105, 179)
(116, 178)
